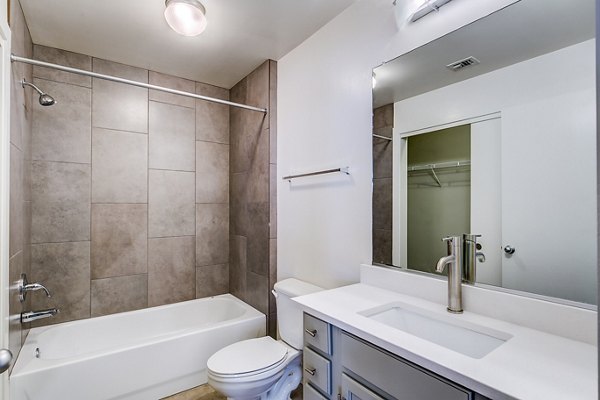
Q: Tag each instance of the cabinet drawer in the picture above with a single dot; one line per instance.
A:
(398, 378)
(317, 333)
(352, 390)
(317, 370)
(310, 393)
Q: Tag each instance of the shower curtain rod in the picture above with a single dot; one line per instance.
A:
(14, 58)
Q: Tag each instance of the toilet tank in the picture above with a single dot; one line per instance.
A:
(289, 313)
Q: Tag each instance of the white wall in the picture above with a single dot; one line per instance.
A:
(325, 120)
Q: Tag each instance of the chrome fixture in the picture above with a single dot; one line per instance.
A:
(25, 287)
(509, 250)
(14, 58)
(45, 99)
(455, 264)
(186, 17)
(5, 359)
(29, 316)
(344, 170)
(471, 255)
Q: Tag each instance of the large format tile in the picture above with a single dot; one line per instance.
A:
(61, 202)
(212, 234)
(171, 270)
(64, 268)
(237, 265)
(17, 215)
(382, 158)
(382, 246)
(119, 240)
(119, 294)
(212, 119)
(258, 238)
(257, 292)
(171, 204)
(120, 167)
(259, 170)
(172, 137)
(171, 82)
(212, 280)
(383, 117)
(62, 57)
(63, 132)
(117, 105)
(212, 172)
(382, 203)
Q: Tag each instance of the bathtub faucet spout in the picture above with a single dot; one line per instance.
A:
(29, 316)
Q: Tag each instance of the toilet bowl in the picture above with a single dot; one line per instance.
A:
(265, 368)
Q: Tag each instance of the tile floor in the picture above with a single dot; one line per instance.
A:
(205, 392)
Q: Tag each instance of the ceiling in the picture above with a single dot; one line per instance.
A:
(519, 32)
(241, 34)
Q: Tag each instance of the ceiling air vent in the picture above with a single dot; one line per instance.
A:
(460, 64)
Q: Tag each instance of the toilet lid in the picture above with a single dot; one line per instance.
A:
(247, 356)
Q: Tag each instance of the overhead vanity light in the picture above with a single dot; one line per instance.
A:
(186, 17)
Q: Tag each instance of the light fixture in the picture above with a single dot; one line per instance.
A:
(413, 10)
(186, 17)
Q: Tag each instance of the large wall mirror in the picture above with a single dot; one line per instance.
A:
(491, 130)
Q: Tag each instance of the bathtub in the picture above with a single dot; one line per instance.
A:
(146, 354)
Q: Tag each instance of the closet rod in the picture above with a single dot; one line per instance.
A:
(429, 167)
(14, 58)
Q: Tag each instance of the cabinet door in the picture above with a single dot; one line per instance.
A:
(352, 390)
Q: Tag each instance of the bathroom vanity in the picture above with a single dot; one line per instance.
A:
(390, 337)
(339, 363)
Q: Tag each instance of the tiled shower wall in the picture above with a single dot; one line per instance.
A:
(253, 170)
(383, 124)
(130, 202)
(20, 172)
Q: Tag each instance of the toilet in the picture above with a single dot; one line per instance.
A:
(265, 368)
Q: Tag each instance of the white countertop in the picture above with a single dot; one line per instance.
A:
(531, 365)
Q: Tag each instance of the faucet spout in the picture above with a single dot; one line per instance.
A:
(442, 262)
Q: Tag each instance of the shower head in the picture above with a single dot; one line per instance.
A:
(45, 98)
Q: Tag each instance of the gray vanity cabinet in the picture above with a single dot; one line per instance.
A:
(341, 366)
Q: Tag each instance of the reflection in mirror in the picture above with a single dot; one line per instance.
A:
(502, 146)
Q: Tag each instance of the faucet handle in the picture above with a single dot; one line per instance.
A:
(448, 239)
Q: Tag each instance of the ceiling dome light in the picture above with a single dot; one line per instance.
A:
(186, 17)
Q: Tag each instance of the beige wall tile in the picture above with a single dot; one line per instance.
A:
(119, 240)
(117, 105)
(64, 268)
(172, 137)
(171, 82)
(62, 57)
(119, 167)
(171, 204)
(61, 202)
(62, 132)
(171, 270)
(212, 119)
(212, 234)
(119, 294)
(212, 280)
(212, 172)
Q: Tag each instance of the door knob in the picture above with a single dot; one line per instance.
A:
(5, 359)
(509, 250)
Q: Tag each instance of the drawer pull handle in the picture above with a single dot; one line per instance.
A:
(311, 371)
(312, 332)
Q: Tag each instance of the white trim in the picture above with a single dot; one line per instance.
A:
(466, 121)
(5, 37)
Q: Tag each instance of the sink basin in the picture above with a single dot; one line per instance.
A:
(449, 331)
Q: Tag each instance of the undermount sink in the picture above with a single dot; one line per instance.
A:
(448, 331)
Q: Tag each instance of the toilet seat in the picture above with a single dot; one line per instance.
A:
(250, 358)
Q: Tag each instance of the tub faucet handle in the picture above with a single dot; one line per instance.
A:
(25, 287)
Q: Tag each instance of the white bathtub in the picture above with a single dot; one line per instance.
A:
(146, 354)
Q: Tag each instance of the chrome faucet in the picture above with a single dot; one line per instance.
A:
(29, 316)
(25, 287)
(455, 264)
(471, 256)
